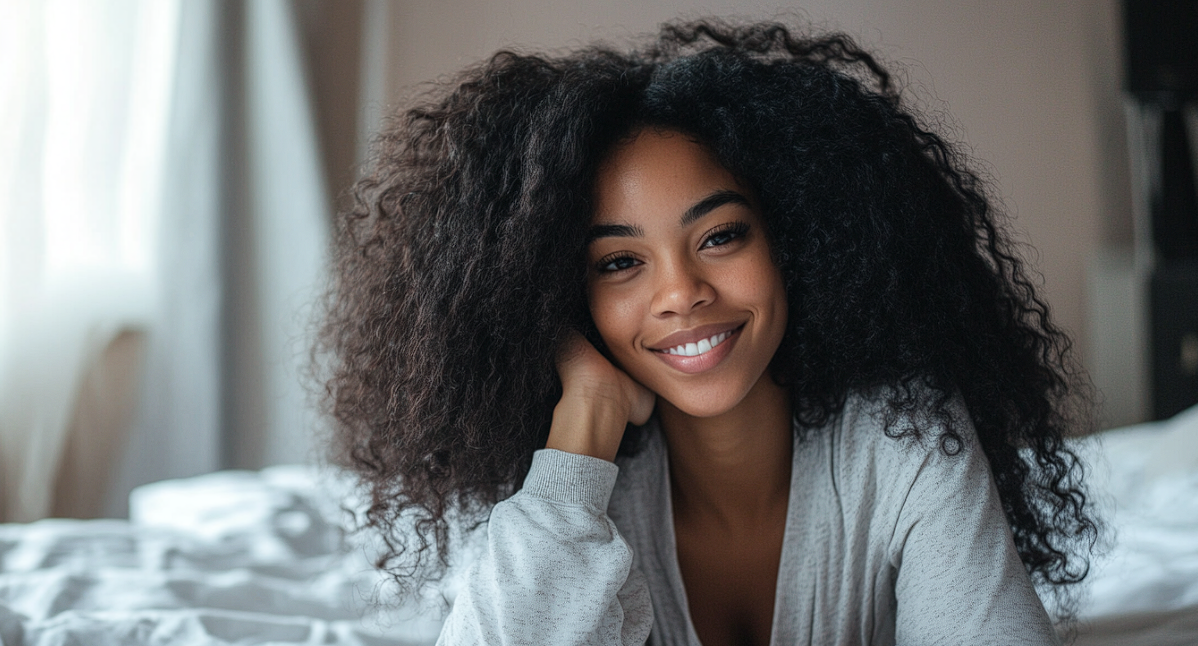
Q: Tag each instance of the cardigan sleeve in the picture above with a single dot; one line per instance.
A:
(554, 570)
(960, 579)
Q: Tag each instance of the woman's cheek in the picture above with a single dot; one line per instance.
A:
(617, 318)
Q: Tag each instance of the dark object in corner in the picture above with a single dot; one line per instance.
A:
(1174, 323)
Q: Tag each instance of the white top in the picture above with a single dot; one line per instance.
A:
(887, 541)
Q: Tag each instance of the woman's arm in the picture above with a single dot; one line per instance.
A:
(555, 570)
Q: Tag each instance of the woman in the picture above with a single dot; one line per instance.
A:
(721, 342)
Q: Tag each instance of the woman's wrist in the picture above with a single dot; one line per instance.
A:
(588, 424)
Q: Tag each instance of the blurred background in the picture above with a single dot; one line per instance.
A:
(169, 170)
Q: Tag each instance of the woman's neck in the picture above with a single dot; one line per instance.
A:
(733, 468)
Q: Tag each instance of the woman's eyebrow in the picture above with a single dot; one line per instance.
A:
(711, 203)
(613, 231)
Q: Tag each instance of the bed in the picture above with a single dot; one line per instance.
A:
(234, 557)
(261, 558)
(1143, 588)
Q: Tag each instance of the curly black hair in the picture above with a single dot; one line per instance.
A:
(459, 269)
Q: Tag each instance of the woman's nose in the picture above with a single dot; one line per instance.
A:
(681, 288)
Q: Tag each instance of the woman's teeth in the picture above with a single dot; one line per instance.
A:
(702, 347)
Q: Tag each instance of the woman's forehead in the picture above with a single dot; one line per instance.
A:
(657, 173)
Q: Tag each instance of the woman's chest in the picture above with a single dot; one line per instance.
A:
(829, 580)
(730, 579)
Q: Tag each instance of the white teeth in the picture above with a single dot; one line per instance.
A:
(702, 347)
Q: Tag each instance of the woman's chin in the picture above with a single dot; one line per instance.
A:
(737, 397)
(698, 406)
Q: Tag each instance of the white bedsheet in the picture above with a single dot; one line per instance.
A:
(260, 558)
(1144, 589)
(226, 558)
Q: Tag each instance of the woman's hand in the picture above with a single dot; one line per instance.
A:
(598, 401)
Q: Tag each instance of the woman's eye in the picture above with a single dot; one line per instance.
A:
(613, 264)
(725, 233)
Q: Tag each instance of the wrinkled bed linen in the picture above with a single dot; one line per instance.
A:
(226, 558)
(1143, 586)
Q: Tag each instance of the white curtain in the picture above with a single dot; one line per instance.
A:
(85, 91)
(159, 177)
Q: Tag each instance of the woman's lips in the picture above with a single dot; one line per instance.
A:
(704, 354)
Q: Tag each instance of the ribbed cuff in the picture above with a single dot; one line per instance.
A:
(571, 478)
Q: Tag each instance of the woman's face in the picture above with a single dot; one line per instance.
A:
(680, 280)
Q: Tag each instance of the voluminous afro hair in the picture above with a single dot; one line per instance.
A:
(460, 268)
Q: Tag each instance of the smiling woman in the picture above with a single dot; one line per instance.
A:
(723, 344)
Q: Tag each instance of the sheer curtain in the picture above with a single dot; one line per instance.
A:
(160, 189)
(81, 156)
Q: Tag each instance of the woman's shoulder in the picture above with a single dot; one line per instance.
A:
(887, 442)
(904, 421)
(881, 467)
